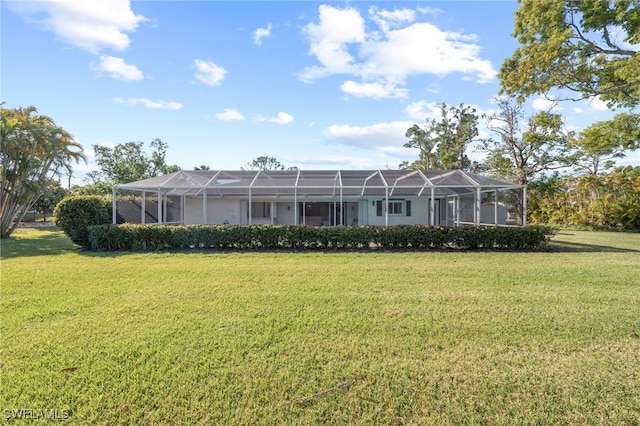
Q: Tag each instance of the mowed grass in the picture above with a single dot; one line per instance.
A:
(323, 338)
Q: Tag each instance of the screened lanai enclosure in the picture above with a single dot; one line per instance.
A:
(321, 198)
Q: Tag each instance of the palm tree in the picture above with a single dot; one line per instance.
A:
(33, 151)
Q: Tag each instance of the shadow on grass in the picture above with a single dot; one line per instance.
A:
(573, 247)
(38, 242)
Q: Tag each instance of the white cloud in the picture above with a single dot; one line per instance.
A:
(149, 103)
(430, 10)
(545, 103)
(422, 110)
(598, 104)
(117, 68)
(209, 73)
(387, 19)
(229, 114)
(336, 162)
(373, 90)
(433, 88)
(90, 25)
(329, 40)
(388, 137)
(261, 33)
(281, 118)
(342, 45)
(441, 53)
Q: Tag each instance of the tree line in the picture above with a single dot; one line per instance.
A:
(582, 49)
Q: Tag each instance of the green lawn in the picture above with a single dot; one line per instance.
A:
(335, 338)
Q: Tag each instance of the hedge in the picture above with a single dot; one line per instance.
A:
(134, 237)
(76, 213)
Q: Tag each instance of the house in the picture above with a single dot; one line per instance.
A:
(320, 198)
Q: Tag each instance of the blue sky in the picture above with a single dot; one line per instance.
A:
(317, 85)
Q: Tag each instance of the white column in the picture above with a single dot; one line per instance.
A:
(204, 207)
(432, 207)
(164, 208)
(495, 207)
(295, 206)
(386, 207)
(143, 205)
(478, 206)
(524, 205)
(113, 206)
(271, 211)
(182, 206)
(159, 219)
(250, 221)
(446, 210)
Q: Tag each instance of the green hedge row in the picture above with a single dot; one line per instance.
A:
(129, 237)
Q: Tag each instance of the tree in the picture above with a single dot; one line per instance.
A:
(34, 151)
(527, 146)
(202, 167)
(50, 197)
(128, 162)
(455, 131)
(606, 200)
(442, 143)
(600, 144)
(422, 140)
(589, 47)
(264, 163)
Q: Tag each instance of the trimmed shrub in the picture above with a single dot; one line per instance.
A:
(302, 237)
(76, 213)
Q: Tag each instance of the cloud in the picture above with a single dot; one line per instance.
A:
(261, 33)
(423, 110)
(281, 118)
(433, 88)
(117, 68)
(209, 73)
(373, 90)
(89, 25)
(343, 44)
(441, 53)
(229, 114)
(387, 19)
(545, 103)
(388, 137)
(329, 40)
(149, 103)
(598, 104)
(337, 162)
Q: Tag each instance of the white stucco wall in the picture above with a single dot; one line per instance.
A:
(219, 210)
(233, 211)
(419, 213)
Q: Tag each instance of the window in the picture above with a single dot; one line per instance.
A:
(261, 209)
(395, 207)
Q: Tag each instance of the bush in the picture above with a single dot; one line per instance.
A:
(75, 214)
(267, 237)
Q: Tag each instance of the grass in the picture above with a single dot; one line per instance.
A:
(335, 338)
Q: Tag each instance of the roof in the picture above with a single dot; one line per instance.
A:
(346, 183)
